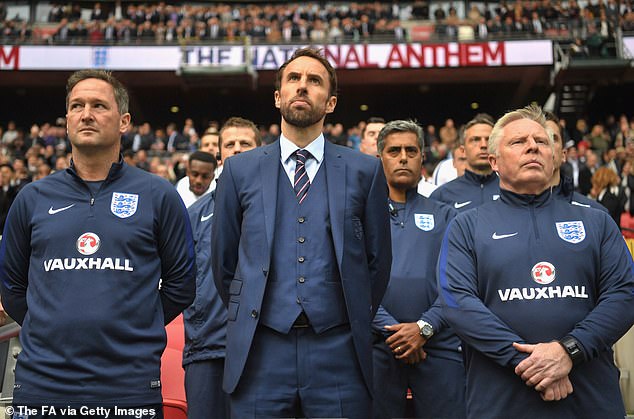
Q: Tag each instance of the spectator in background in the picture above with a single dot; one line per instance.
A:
(10, 134)
(625, 133)
(21, 176)
(337, 135)
(143, 139)
(598, 139)
(175, 141)
(607, 192)
(7, 191)
(272, 135)
(160, 141)
(448, 133)
(98, 13)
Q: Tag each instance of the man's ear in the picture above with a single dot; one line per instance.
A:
(331, 104)
(493, 161)
(276, 97)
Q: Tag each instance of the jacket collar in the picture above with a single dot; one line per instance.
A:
(526, 200)
(474, 177)
(116, 170)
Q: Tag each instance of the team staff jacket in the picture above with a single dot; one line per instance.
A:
(534, 269)
(468, 191)
(566, 190)
(417, 231)
(206, 318)
(80, 272)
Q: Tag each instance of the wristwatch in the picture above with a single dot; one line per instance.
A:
(571, 345)
(426, 329)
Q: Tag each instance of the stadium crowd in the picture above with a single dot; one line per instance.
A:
(159, 23)
(30, 154)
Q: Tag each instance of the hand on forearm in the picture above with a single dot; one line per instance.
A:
(558, 390)
(546, 364)
(405, 340)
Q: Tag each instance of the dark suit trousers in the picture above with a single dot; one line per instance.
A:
(203, 386)
(302, 374)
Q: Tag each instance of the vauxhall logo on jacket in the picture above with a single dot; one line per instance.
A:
(88, 244)
(543, 273)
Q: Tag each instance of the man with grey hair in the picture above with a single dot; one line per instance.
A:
(413, 347)
(478, 184)
(538, 289)
(83, 253)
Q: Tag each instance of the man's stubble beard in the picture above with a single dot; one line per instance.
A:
(302, 118)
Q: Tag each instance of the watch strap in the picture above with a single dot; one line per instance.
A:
(573, 349)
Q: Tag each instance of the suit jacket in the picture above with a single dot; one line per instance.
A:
(244, 221)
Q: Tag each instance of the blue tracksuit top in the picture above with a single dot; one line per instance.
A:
(468, 191)
(417, 231)
(206, 319)
(80, 272)
(534, 269)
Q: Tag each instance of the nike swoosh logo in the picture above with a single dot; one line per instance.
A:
(461, 204)
(205, 217)
(55, 211)
(579, 204)
(495, 236)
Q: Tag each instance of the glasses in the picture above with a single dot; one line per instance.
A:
(410, 151)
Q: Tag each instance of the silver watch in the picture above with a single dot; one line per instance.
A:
(426, 329)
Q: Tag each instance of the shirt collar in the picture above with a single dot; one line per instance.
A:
(315, 147)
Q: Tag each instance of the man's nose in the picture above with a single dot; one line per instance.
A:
(86, 113)
(531, 144)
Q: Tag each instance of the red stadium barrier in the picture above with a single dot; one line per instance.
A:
(172, 373)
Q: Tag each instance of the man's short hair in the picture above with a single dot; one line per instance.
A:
(7, 165)
(237, 122)
(372, 120)
(400, 125)
(317, 55)
(553, 118)
(204, 157)
(532, 112)
(481, 118)
(120, 92)
(210, 131)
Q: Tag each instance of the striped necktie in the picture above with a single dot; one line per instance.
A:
(302, 182)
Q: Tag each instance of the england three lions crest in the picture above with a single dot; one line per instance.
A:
(571, 231)
(124, 205)
(424, 221)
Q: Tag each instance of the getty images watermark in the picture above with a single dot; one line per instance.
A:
(23, 412)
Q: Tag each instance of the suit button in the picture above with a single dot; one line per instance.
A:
(254, 314)
(297, 300)
(301, 220)
(301, 239)
(301, 279)
(301, 259)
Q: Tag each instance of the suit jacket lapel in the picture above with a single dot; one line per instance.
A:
(269, 172)
(336, 183)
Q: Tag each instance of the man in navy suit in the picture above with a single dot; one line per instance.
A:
(301, 255)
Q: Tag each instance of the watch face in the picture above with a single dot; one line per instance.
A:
(427, 331)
